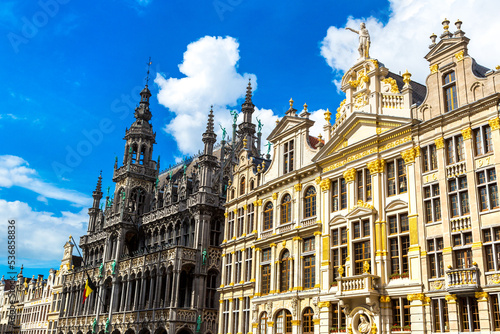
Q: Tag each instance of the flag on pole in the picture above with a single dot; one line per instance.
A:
(89, 288)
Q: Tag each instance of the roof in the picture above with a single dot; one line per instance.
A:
(479, 70)
(419, 90)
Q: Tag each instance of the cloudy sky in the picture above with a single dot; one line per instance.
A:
(72, 72)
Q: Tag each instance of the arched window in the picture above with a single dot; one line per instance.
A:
(252, 184)
(307, 321)
(285, 264)
(310, 203)
(133, 150)
(232, 194)
(286, 209)
(284, 322)
(450, 91)
(142, 156)
(136, 203)
(263, 323)
(211, 289)
(268, 216)
(242, 186)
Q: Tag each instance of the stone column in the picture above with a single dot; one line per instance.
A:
(175, 287)
(221, 315)
(231, 319)
(324, 317)
(453, 312)
(484, 312)
(125, 294)
(296, 264)
(318, 261)
(417, 312)
(274, 283)
(350, 176)
(136, 297)
(257, 271)
(157, 291)
(241, 318)
(166, 301)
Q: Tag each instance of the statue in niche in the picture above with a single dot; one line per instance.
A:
(364, 325)
(364, 41)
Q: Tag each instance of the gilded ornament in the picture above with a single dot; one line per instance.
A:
(406, 77)
(324, 304)
(467, 133)
(350, 175)
(376, 166)
(494, 123)
(325, 184)
(318, 180)
(340, 270)
(409, 156)
(374, 61)
(245, 207)
(298, 187)
(259, 202)
(459, 55)
(439, 143)
(328, 115)
(366, 267)
(415, 296)
(226, 214)
(275, 196)
(392, 82)
(434, 68)
(374, 329)
(360, 101)
(235, 211)
(451, 299)
(481, 296)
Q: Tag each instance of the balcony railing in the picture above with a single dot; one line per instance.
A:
(456, 169)
(460, 224)
(462, 280)
(355, 285)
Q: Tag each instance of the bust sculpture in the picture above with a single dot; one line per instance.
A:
(364, 325)
(364, 40)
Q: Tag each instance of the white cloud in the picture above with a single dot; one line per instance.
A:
(319, 121)
(40, 236)
(14, 171)
(211, 78)
(403, 41)
(42, 199)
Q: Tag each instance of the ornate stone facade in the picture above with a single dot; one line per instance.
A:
(391, 225)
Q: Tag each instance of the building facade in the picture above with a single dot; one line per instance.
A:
(154, 250)
(389, 225)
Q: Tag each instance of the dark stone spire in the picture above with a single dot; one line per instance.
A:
(142, 111)
(209, 137)
(248, 107)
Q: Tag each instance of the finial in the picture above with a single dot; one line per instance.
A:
(248, 97)
(328, 116)
(210, 123)
(406, 77)
(446, 24)
(277, 121)
(147, 76)
(458, 24)
(305, 106)
(69, 238)
(291, 102)
(433, 38)
(459, 32)
(244, 143)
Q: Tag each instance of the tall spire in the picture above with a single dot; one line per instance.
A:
(248, 98)
(209, 137)
(210, 123)
(142, 111)
(98, 187)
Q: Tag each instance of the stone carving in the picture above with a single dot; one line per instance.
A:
(364, 325)
(269, 308)
(364, 41)
(293, 305)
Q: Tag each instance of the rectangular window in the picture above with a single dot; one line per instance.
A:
(487, 189)
(338, 319)
(250, 216)
(266, 254)
(309, 244)
(429, 158)
(432, 203)
(309, 271)
(241, 220)
(230, 226)
(266, 279)
(400, 314)
(335, 195)
(248, 264)
(238, 265)
(459, 197)
(399, 243)
(236, 314)
(462, 252)
(469, 314)
(246, 314)
(343, 194)
(225, 315)
(435, 257)
(496, 311)
(364, 185)
(483, 143)
(450, 92)
(288, 157)
(396, 177)
(229, 264)
(491, 245)
(361, 254)
(441, 322)
(455, 149)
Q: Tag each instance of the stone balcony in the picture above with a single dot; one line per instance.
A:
(355, 286)
(462, 280)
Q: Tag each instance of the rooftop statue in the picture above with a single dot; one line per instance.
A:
(364, 41)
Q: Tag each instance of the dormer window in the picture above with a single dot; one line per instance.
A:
(450, 92)
(288, 157)
(242, 186)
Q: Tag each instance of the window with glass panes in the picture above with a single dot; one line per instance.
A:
(450, 92)
(339, 249)
(469, 314)
(262, 324)
(459, 196)
(432, 203)
(242, 185)
(230, 225)
(399, 243)
(455, 151)
(338, 319)
(396, 177)
(284, 322)
(236, 314)
(462, 252)
(440, 322)
(246, 314)
(266, 271)
(309, 264)
(310, 202)
(307, 321)
(250, 215)
(268, 216)
(483, 142)
(364, 185)
(401, 314)
(339, 194)
(487, 189)
(241, 221)
(286, 209)
(285, 271)
(229, 265)
(361, 244)
(238, 266)
(491, 245)
(495, 310)
(435, 257)
(429, 158)
(248, 264)
(288, 157)
(225, 316)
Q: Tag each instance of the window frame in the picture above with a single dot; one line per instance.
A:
(268, 216)
(288, 156)
(435, 255)
(458, 192)
(310, 202)
(450, 87)
(482, 136)
(487, 191)
(286, 209)
(432, 202)
(400, 237)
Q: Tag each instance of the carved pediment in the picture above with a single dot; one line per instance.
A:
(448, 45)
(287, 125)
(396, 205)
(360, 210)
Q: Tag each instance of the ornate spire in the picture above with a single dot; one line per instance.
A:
(209, 137)
(210, 123)
(98, 188)
(248, 98)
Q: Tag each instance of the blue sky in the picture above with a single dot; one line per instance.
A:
(72, 72)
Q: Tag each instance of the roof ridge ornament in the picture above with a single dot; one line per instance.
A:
(364, 41)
